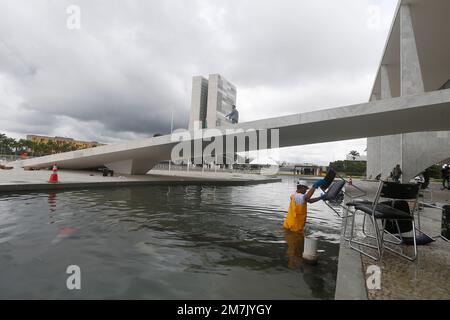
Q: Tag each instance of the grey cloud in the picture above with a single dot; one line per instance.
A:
(131, 63)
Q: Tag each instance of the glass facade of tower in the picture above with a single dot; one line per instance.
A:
(212, 100)
(221, 97)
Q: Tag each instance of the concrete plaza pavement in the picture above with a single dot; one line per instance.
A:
(425, 278)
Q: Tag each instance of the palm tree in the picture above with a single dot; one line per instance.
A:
(354, 154)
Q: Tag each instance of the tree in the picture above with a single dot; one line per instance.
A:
(353, 168)
(354, 154)
(3, 138)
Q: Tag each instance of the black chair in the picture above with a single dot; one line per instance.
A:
(335, 194)
(387, 211)
(332, 195)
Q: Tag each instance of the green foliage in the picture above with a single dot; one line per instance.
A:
(11, 146)
(352, 168)
(434, 171)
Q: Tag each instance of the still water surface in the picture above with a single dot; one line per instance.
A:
(164, 242)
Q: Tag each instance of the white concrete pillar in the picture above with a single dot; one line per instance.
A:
(391, 145)
(401, 149)
(378, 147)
(420, 149)
(133, 166)
(385, 83)
(391, 153)
(410, 72)
(373, 157)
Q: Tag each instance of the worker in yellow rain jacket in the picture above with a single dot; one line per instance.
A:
(296, 216)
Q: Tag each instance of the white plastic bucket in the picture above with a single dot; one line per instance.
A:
(310, 249)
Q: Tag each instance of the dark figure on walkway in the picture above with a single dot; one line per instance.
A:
(233, 115)
(426, 178)
(396, 173)
(446, 177)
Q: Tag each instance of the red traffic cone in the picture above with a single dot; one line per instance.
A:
(350, 182)
(54, 175)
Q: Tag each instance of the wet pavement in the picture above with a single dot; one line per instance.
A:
(426, 278)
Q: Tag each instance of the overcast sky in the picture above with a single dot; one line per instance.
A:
(131, 63)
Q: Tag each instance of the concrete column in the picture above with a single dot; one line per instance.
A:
(391, 153)
(422, 150)
(404, 149)
(373, 151)
(419, 149)
(133, 166)
(373, 97)
(385, 83)
(373, 157)
(390, 145)
(410, 72)
(379, 147)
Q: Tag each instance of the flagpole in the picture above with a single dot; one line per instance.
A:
(171, 131)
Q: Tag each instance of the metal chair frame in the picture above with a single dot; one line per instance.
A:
(379, 233)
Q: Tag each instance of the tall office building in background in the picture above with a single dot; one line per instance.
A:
(221, 97)
(199, 101)
(211, 101)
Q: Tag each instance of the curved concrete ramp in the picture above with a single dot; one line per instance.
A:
(416, 113)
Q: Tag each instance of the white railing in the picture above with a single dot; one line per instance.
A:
(206, 168)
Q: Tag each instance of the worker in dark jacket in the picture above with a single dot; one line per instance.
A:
(233, 115)
(446, 177)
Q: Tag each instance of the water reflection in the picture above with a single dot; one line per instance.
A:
(164, 242)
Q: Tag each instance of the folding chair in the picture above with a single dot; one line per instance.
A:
(331, 195)
(332, 190)
(379, 211)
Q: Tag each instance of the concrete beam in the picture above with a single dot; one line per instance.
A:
(422, 150)
(425, 112)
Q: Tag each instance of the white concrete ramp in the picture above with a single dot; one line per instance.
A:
(416, 113)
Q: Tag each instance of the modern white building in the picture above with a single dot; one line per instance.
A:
(211, 101)
(221, 97)
(416, 60)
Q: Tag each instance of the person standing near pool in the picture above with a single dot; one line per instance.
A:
(296, 217)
